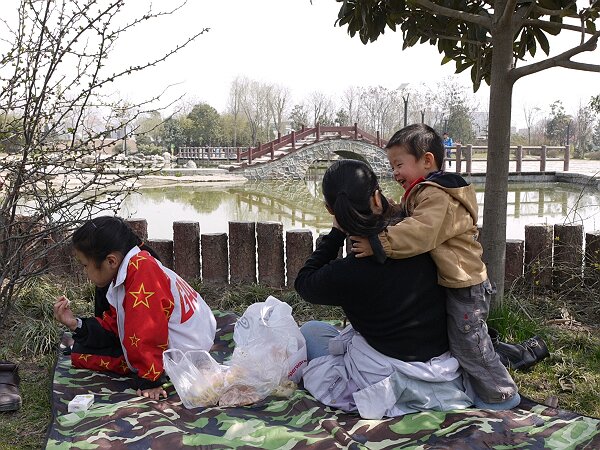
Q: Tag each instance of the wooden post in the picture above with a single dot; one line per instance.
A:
(378, 139)
(543, 159)
(215, 259)
(272, 151)
(269, 237)
(538, 254)
(515, 252)
(458, 157)
(237, 151)
(592, 258)
(519, 157)
(186, 249)
(567, 158)
(139, 227)
(293, 140)
(355, 131)
(249, 155)
(469, 158)
(242, 251)
(568, 255)
(298, 247)
(318, 132)
(164, 249)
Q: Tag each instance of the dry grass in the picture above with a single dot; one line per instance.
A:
(568, 323)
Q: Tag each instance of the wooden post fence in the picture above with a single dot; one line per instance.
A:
(550, 256)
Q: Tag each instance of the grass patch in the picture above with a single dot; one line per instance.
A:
(566, 322)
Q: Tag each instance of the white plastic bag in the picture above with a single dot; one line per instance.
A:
(269, 355)
(197, 377)
(271, 322)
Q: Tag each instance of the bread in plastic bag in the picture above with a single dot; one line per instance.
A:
(268, 358)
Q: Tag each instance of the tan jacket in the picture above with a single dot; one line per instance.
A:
(443, 221)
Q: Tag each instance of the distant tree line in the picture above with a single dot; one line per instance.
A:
(256, 112)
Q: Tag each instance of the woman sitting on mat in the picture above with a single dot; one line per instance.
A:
(393, 358)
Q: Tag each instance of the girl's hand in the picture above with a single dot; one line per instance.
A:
(154, 393)
(361, 246)
(63, 313)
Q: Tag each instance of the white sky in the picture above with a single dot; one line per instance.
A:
(295, 44)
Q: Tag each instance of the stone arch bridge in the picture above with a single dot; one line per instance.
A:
(294, 165)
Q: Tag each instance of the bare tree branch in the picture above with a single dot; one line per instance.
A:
(554, 12)
(454, 14)
(562, 60)
(58, 161)
(554, 25)
(507, 14)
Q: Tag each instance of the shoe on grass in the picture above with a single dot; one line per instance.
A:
(10, 397)
(519, 356)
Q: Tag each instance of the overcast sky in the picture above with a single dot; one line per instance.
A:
(295, 44)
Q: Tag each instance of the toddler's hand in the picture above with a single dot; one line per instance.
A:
(63, 313)
(361, 246)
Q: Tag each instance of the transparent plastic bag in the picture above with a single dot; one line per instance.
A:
(271, 322)
(268, 358)
(197, 377)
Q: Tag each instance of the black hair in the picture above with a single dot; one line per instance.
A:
(100, 236)
(348, 186)
(419, 139)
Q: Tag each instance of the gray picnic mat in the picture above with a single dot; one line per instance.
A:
(119, 419)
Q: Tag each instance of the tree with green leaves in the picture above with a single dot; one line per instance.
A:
(557, 127)
(595, 103)
(298, 117)
(148, 132)
(583, 130)
(205, 124)
(491, 38)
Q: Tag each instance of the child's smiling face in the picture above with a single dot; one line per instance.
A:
(406, 167)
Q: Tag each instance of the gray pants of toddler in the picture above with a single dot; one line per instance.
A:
(467, 311)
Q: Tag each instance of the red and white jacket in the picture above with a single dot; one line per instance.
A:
(153, 309)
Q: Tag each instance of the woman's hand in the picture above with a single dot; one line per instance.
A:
(361, 246)
(337, 225)
(63, 313)
(154, 393)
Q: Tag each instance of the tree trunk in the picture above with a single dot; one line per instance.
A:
(496, 183)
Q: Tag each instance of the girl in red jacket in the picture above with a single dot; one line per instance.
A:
(150, 310)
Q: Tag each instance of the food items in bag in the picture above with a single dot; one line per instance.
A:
(267, 360)
(239, 395)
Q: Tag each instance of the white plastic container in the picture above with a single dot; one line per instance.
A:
(81, 403)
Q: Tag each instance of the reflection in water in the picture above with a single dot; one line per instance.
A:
(299, 204)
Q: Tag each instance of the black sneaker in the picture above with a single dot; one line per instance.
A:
(10, 397)
(519, 356)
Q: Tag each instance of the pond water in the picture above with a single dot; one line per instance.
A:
(299, 204)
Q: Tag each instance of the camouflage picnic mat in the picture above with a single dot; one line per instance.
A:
(119, 419)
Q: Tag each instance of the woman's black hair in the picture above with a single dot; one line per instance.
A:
(348, 186)
(98, 237)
